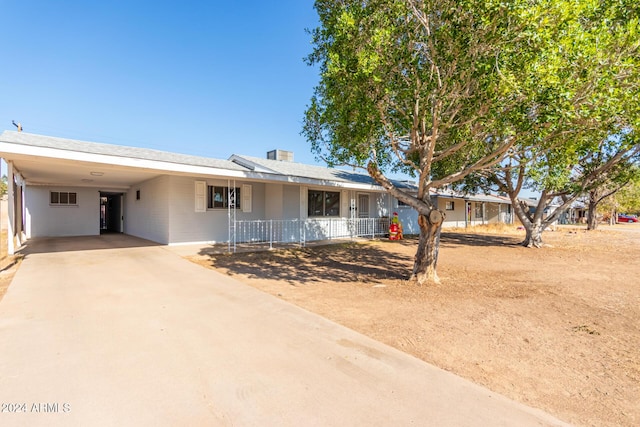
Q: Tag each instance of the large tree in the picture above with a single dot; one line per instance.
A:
(447, 89)
(562, 175)
(611, 182)
(583, 112)
(417, 86)
(625, 200)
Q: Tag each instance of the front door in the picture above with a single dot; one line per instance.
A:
(363, 206)
(111, 212)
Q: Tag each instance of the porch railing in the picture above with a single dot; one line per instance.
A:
(299, 232)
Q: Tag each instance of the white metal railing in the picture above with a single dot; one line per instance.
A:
(295, 231)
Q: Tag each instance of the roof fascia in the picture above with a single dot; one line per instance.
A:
(9, 148)
(157, 165)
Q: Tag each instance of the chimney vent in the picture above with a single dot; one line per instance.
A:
(282, 155)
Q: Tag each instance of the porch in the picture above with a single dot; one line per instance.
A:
(267, 234)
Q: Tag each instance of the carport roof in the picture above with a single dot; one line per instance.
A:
(42, 141)
(52, 161)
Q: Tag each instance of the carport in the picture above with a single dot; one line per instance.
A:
(61, 171)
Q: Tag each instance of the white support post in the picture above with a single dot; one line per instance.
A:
(484, 213)
(231, 214)
(19, 206)
(467, 208)
(228, 221)
(11, 209)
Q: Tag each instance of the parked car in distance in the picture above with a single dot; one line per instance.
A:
(627, 218)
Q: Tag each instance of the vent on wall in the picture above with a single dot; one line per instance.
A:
(285, 156)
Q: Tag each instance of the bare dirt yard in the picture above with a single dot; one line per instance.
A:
(555, 328)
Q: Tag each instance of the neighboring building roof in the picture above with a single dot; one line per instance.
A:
(532, 203)
(42, 141)
(488, 198)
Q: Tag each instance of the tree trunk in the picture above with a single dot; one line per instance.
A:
(592, 215)
(533, 238)
(424, 268)
(533, 226)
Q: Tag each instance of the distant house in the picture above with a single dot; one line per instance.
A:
(468, 210)
(532, 205)
(67, 187)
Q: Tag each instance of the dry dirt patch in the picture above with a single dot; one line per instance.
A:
(8, 268)
(556, 328)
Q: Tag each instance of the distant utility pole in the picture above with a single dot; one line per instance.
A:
(18, 125)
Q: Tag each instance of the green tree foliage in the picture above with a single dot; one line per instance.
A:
(583, 116)
(418, 86)
(3, 185)
(626, 199)
(610, 182)
(448, 90)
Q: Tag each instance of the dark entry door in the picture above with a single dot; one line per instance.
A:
(111, 212)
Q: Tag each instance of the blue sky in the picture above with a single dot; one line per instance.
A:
(208, 78)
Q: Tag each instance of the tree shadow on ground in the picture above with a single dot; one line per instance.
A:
(346, 262)
(466, 239)
(340, 263)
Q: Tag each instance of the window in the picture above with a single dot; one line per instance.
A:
(449, 206)
(137, 194)
(63, 198)
(219, 197)
(324, 203)
(479, 211)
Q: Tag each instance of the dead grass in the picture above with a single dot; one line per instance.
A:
(8, 265)
(498, 228)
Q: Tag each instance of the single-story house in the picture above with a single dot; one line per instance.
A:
(64, 187)
(468, 210)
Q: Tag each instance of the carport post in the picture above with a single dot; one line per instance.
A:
(11, 209)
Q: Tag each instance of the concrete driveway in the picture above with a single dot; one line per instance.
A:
(113, 330)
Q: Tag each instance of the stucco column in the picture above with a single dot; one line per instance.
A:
(11, 210)
(19, 195)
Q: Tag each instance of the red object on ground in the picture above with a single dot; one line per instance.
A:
(393, 232)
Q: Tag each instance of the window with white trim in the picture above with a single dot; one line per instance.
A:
(219, 197)
(449, 206)
(63, 198)
(323, 203)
